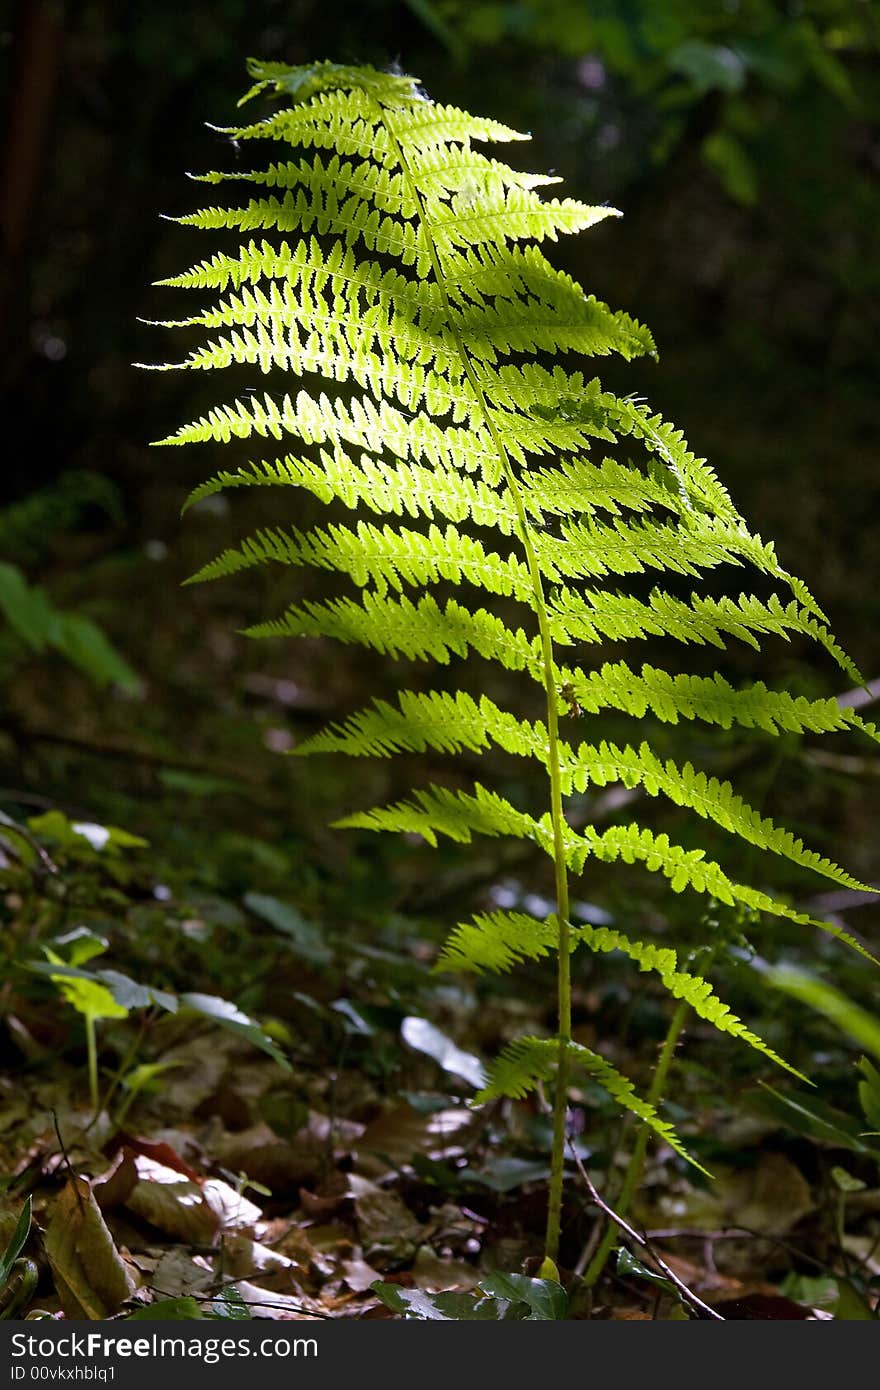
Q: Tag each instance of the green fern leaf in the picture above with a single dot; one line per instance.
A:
(385, 279)
(528, 1061)
(498, 941)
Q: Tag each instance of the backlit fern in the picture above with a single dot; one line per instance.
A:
(386, 275)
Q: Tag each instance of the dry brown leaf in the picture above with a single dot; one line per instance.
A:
(280, 1307)
(160, 1151)
(276, 1163)
(234, 1211)
(332, 1195)
(172, 1203)
(385, 1223)
(114, 1187)
(178, 1274)
(431, 1272)
(391, 1139)
(770, 1197)
(90, 1277)
(244, 1258)
(358, 1275)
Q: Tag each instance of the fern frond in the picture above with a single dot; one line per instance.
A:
(388, 489)
(498, 941)
(671, 696)
(448, 723)
(420, 631)
(600, 614)
(438, 720)
(684, 869)
(383, 556)
(528, 1061)
(365, 423)
(707, 796)
(592, 549)
(388, 274)
(437, 811)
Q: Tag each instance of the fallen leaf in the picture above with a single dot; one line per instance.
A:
(178, 1274)
(763, 1307)
(394, 1136)
(424, 1037)
(278, 1164)
(172, 1203)
(770, 1197)
(160, 1152)
(90, 1277)
(358, 1275)
(277, 1306)
(113, 1188)
(244, 1258)
(233, 1211)
(385, 1223)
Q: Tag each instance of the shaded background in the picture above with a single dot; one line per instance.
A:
(740, 140)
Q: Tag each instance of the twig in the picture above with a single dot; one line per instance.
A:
(31, 840)
(737, 1233)
(687, 1294)
(67, 1163)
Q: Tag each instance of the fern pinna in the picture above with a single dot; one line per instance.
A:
(394, 268)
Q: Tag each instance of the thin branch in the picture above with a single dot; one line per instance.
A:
(687, 1294)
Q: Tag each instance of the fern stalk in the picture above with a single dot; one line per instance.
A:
(397, 273)
(548, 667)
(636, 1166)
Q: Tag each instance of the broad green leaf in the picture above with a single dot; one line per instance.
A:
(16, 1240)
(805, 1115)
(184, 1309)
(869, 1092)
(506, 1173)
(83, 837)
(451, 1306)
(226, 1015)
(284, 917)
(127, 993)
(546, 1298)
(228, 1303)
(851, 1018)
(90, 998)
(85, 645)
(629, 1266)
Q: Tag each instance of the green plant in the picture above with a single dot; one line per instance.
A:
(37, 626)
(51, 867)
(432, 346)
(18, 1276)
(98, 994)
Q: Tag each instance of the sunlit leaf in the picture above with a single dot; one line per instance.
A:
(225, 1013)
(545, 1298)
(424, 1037)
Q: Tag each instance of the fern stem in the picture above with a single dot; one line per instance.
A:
(92, 1053)
(635, 1167)
(557, 814)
